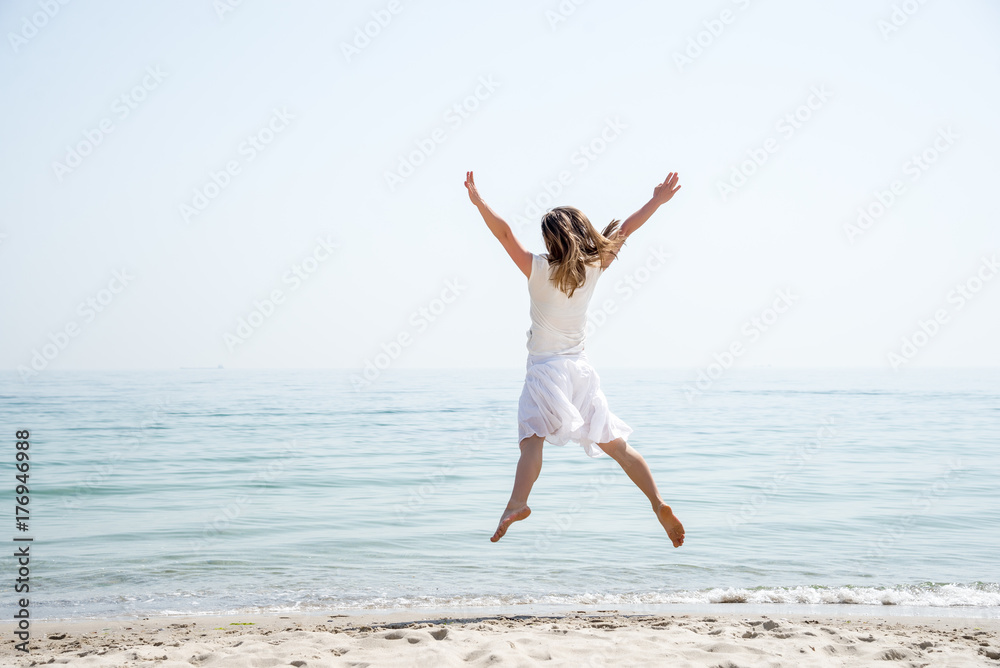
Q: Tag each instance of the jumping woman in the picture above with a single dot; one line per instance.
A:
(562, 399)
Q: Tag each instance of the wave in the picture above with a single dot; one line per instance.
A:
(975, 599)
(935, 595)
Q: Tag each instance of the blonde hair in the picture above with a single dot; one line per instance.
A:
(573, 243)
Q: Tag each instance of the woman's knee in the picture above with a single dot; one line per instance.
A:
(615, 448)
(533, 442)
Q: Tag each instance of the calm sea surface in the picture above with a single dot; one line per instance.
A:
(210, 491)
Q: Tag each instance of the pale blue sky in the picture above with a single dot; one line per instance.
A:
(347, 123)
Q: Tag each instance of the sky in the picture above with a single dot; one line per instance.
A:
(280, 185)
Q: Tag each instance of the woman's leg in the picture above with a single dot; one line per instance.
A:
(528, 468)
(638, 471)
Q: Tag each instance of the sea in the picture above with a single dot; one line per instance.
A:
(222, 491)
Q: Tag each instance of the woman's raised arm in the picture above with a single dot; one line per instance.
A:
(661, 195)
(500, 229)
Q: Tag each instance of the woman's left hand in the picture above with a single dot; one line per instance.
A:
(470, 185)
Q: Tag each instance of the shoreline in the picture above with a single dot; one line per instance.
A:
(569, 637)
(838, 610)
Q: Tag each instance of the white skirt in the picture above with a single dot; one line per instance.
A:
(562, 401)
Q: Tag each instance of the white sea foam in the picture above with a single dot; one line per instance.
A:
(979, 595)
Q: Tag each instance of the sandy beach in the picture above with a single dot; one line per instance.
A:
(572, 639)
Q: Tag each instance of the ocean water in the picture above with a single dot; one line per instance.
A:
(222, 491)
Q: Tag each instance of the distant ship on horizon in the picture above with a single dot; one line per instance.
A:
(202, 367)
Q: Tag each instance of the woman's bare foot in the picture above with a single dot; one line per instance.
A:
(675, 530)
(509, 517)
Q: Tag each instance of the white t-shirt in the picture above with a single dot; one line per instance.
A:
(558, 322)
